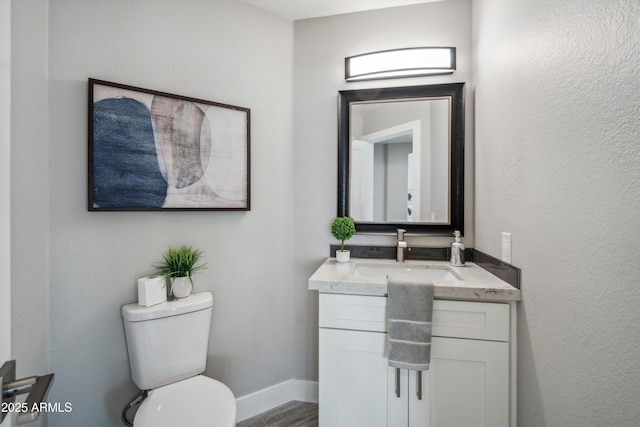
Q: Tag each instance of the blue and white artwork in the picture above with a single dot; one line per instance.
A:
(158, 151)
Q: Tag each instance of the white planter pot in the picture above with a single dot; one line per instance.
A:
(343, 256)
(181, 287)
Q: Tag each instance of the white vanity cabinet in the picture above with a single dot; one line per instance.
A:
(468, 384)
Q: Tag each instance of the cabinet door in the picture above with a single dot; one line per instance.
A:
(353, 381)
(408, 409)
(398, 397)
(469, 385)
(419, 411)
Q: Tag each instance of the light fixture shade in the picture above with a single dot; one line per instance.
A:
(397, 63)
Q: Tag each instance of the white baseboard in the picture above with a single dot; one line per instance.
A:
(276, 395)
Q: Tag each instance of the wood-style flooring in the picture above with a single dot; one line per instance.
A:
(292, 414)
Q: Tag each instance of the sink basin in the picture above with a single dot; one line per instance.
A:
(418, 272)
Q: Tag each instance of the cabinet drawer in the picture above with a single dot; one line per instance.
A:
(456, 319)
(357, 312)
(468, 319)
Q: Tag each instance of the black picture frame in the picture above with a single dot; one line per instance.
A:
(156, 151)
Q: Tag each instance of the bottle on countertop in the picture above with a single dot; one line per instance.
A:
(457, 251)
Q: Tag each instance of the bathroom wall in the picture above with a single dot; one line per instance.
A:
(5, 182)
(320, 48)
(557, 158)
(29, 190)
(224, 51)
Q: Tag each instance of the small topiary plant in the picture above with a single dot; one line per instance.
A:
(343, 229)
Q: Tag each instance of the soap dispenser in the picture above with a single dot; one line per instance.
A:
(457, 251)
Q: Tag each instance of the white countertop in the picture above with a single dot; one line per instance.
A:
(475, 283)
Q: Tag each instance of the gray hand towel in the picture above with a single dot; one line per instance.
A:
(410, 303)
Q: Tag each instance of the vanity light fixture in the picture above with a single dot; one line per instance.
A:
(398, 63)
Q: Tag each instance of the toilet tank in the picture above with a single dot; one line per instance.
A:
(168, 342)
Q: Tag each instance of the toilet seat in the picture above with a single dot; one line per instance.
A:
(195, 402)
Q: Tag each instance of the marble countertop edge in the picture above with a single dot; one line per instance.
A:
(475, 284)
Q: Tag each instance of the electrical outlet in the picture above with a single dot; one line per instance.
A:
(506, 247)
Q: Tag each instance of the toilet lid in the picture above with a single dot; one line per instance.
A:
(195, 402)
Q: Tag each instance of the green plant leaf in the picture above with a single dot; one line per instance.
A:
(343, 229)
(180, 262)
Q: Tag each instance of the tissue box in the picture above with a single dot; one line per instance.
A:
(151, 290)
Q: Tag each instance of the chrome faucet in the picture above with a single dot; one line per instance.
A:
(401, 245)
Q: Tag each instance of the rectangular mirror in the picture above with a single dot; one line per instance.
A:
(401, 158)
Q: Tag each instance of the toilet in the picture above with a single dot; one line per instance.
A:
(168, 345)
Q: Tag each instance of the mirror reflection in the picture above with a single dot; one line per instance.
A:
(399, 168)
(401, 158)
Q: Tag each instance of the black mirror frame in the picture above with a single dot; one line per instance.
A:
(456, 207)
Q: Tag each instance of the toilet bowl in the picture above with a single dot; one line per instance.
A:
(168, 346)
(195, 402)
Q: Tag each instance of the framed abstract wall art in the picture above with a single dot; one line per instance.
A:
(151, 150)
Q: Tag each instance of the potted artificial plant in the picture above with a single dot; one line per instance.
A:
(342, 229)
(179, 265)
